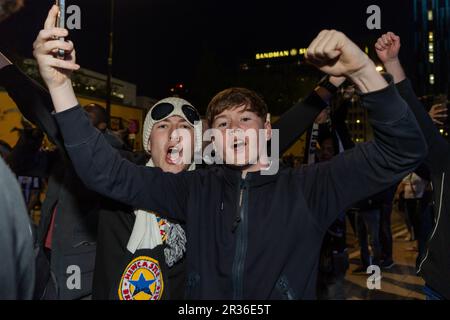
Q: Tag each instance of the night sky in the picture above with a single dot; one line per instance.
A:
(159, 43)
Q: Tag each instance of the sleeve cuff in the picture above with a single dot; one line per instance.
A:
(404, 86)
(75, 126)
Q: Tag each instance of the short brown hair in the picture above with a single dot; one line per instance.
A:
(236, 97)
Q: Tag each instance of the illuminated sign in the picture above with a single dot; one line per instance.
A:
(280, 54)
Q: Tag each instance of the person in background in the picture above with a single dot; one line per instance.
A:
(435, 265)
(30, 164)
(368, 230)
(100, 119)
(333, 261)
(414, 188)
(386, 241)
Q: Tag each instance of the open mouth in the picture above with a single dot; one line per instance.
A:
(174, 155)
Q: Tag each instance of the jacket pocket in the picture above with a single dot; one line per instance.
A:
(284, 289)
(192, 283)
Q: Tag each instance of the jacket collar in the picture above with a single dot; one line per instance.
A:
(233, 176)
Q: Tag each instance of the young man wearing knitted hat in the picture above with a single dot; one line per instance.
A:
(144, 253)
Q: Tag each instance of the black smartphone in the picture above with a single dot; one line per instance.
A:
(61, 23)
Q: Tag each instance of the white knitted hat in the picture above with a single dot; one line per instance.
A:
(178, 110)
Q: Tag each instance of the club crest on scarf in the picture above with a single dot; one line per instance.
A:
(142, 280)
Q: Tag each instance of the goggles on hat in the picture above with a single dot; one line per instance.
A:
(163, 110)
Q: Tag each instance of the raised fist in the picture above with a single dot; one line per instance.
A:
(388, 47)
(335, 54)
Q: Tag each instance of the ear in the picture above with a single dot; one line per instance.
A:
(268, 128)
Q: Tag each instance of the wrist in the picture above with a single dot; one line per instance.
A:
(394, 67)
(392, 62)
(368, 79)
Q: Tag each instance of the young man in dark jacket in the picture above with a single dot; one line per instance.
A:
(435, 266)
(249, 235)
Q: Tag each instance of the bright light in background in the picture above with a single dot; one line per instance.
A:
(358, 121)
(380, 68)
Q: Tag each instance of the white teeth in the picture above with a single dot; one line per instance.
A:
(174, 150)
(174, 153)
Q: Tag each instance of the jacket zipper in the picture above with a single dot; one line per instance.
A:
(437, 223)
(238, 216)
(240, 227)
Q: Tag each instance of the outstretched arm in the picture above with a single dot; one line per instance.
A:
(398, 146)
